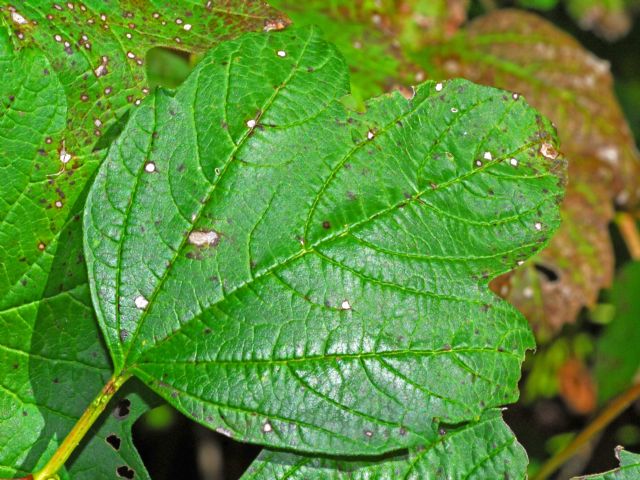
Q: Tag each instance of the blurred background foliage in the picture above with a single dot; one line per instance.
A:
(578, 62)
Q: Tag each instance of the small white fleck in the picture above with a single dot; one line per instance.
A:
(251, 123)
(487, 156)
(139, 61)
(141, 302)
(370, 135)
(150, 167)
(103, 17)
(376, 19)
(419, 76)
(100, 70)
(131, 55)
(178, 21)
(145, 90)
(67, 44)
(201, 238)
(70, 5)
(85, 38)
(439, 87)
(513, 162)
(454, 110)
(57, 7)
(224, 431)
(19, 19)
(266, 428)
(527, 292)
(538, 226)
(137, 102)
(107, 90)
(58, 204)
(282, 53)
(515, 96)
(368, 433)
(345, 305)
(128, 35)
(57, 38)
(156, 15)
(478, 163)
(187, 26)
(97, 122)
(520, 262)
(64, 155)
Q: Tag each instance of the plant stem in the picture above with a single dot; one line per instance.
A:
(610, 413)
(79, 430)
(629, 231)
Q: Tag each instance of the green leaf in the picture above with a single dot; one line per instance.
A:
(629, 468)
(486, 449)
(617, 357)
(59, 102)
(302, 276)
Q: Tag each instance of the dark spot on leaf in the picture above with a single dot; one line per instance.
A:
(326, 225)
(122, 409)
(114, 441)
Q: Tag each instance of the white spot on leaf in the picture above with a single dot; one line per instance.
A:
(345, 305)
(513, 162)
(439, 87)
(538, 226)
(282, 53)
(204, 238)
(251, 123)
(487, 156)
(141, 302)
(150, 167)
(19, 19)
(266, 428)
(547, 151)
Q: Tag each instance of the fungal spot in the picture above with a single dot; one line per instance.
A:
(251, 123)
(513, 162)
(267, 427)
(149, 167)
(187, 26)
(326, 225)
(101, 70)
(57, 38)
(272, 24)
(454, 110)
(538, 226)
(141, 302)
(487, 156)
(439, 87)
(131, 55)
(478, 163)
(345, 305)
(58, 204)
(107, 91)
(370, 135)
(125, 472)
(19, 19)
(122, 409)
(204, 238)
(114, 440)
(368, 433)
(547, 151)
(41, 246)
(282, 53)
(97, 123)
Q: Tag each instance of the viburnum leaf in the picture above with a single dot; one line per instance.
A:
(295, 274)
(483, 449)
(60, 101)
(629, 468)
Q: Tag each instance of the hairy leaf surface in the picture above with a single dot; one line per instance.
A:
(483, 449)
(299, 275)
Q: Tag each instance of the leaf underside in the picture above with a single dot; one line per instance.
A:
(301, 276)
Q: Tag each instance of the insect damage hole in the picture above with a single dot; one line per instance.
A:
(114, 441)
(124, 471)
(122, 409)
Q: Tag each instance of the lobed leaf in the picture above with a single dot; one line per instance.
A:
(298, 275)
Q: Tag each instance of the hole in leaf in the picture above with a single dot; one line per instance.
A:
(123, 408)
(167, 67)
(125, 472)
(114, 441)
(549, 274)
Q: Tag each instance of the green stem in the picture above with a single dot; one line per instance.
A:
(79, 430)
(610, 413)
